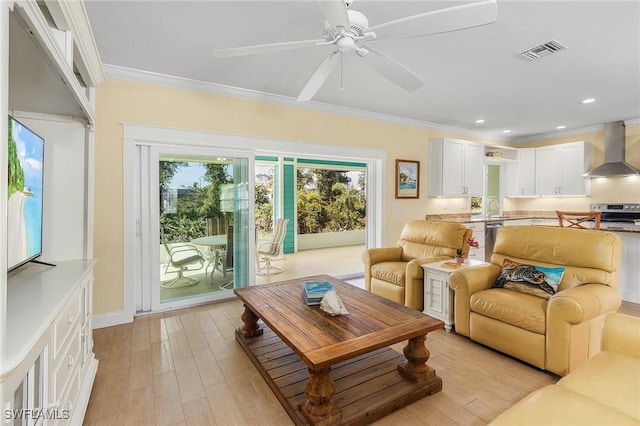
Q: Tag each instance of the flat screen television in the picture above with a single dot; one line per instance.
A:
(24, 204)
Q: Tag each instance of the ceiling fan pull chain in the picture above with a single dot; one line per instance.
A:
(341, 85)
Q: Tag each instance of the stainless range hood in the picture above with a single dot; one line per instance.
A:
(614, 151)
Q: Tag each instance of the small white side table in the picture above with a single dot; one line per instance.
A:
(438, 296)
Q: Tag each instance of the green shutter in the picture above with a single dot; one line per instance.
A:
(289, 204)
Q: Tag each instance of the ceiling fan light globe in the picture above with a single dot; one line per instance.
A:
(346, 44)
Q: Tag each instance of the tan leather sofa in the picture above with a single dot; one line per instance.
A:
(556, 334)
(396, 272)
(605, 390)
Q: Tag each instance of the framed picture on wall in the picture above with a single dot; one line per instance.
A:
(407, 179)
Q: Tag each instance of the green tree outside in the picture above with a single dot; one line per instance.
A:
(197, 203)
(326, 201)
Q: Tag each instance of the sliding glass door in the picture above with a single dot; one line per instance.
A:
(197, 226)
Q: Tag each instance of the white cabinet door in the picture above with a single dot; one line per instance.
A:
(559, 170)
(456, 168)
(453, 168)
(573, 163)
(546, 166)
(527, 172)
(438, 297)
(473, 169)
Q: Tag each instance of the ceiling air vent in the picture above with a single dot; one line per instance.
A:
(543, 50)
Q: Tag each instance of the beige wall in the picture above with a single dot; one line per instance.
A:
(120, 101)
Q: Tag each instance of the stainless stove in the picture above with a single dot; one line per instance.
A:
(625, 213)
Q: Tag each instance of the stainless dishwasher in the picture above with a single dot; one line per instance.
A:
(490, 232)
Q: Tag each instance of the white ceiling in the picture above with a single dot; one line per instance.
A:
(470, 74)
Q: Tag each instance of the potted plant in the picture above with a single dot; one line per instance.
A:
(460, 253)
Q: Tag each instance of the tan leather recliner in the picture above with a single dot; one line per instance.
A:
(555, 334)
(605, 390)
(396, 272)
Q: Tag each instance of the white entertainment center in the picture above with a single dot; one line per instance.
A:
(49, 70)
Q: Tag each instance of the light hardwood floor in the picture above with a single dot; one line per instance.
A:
(185, 368)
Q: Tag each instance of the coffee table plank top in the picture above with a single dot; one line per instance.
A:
(321, 340)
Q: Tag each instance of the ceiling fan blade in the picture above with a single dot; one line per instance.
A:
(319, 76)
(335, 11)
(392, 70)
(439, 21)
(267, 48)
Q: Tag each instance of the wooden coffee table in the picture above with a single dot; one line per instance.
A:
(336, 370)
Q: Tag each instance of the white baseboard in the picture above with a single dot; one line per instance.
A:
(352, 276)
(110, 319)
(85, 393)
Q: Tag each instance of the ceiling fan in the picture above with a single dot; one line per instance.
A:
(349, 30)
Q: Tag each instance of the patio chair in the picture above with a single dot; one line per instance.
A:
(223, 261)
(271, 250)
(182, 257)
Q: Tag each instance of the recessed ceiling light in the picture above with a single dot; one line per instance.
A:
(588, 101)
(506, 131)
(479, 121)
(561, 127)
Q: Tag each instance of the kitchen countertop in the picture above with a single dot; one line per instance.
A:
(465, 218)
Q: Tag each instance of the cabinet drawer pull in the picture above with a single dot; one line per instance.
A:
(70, 360)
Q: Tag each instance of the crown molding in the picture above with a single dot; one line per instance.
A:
(123, 73)
(571, 132)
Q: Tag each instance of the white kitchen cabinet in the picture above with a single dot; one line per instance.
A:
(522, 174)
(456, 168)
(559, 170)
(478, 235)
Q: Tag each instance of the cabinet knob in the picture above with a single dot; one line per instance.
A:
(70, 360)
(71, 317)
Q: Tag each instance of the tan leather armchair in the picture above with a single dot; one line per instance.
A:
(555, 334)
(396, 272)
